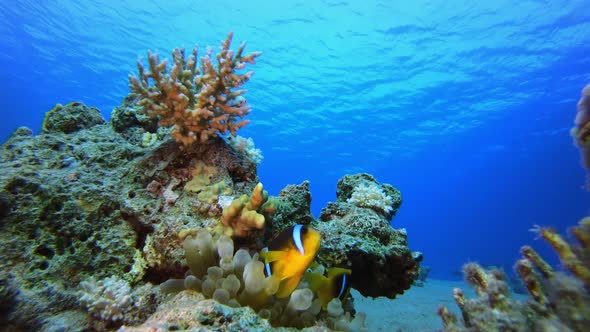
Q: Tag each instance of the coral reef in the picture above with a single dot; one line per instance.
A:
(293, 207)
(198, 103)
(94, 207)
(581, 130)
(93, 214)
(355, 237)
(191, 311)
(96, 203)
(111, 301)
(201, 183)
(558, 301)
(66, 218)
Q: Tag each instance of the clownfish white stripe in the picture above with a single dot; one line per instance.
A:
(342, 287)
(297, 239)
(266, 265)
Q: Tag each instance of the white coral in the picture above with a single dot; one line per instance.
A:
(245, 147)
(371, 196)
(106, 299)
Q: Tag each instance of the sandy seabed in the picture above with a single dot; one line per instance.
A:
(414, 311)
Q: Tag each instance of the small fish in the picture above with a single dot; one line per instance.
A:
(334, 285)
(289, 254)
(238, 101)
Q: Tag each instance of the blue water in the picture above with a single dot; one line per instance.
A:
(465, 106)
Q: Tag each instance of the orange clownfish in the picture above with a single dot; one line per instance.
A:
(334, 285)
(289, 255)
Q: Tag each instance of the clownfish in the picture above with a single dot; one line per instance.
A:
(334, 285)
(289, 255)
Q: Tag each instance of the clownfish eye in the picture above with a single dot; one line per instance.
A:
(304, 230)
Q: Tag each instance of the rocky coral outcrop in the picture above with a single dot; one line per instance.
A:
(294, 207)
(63, 191)
(361, 239)
(356, 237)
(80, 204)
(82, 200)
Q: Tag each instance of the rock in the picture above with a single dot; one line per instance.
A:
(75, 203)
(361, 239)
(71, 118)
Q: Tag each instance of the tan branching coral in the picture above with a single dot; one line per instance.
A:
(199, 102)
(558, 301)
(574, 258)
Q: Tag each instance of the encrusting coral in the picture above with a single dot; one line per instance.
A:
(202, 176)
(198, 102)
(558, 301)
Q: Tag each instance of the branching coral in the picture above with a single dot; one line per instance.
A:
(198, 102)
(558, 302)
